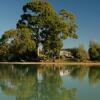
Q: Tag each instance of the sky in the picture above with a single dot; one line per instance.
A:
(87, 13)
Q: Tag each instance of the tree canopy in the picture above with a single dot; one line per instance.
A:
(40, 23)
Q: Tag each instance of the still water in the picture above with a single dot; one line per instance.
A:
(49, 82)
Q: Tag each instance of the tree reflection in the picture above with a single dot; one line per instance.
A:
(79, 72)
(94, 75)
(34, 82)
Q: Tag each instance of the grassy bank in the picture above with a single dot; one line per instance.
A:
(56, 63)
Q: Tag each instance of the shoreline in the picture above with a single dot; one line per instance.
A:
(54, 63)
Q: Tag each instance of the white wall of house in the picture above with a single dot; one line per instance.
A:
(65, 53)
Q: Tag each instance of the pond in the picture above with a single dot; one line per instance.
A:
(49, 82)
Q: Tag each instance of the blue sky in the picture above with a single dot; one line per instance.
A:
(87, 12)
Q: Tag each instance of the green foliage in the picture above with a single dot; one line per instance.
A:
(69, 20)
(94, 50)
(52, 46)
(39, 23)
(80, 53)
(49, 28)
(4, 51)
(8, 35)
(20, 42)
(24, 41)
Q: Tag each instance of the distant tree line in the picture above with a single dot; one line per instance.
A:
(80, 54)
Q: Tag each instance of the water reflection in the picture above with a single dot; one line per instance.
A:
(38, 82)
(94, 75)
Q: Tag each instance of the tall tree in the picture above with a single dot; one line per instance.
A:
(47, 25)
(39, 23)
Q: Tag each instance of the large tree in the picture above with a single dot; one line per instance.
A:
(48, 27)
(39, 23)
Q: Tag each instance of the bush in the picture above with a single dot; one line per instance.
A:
(94, 51)
(80, 54)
